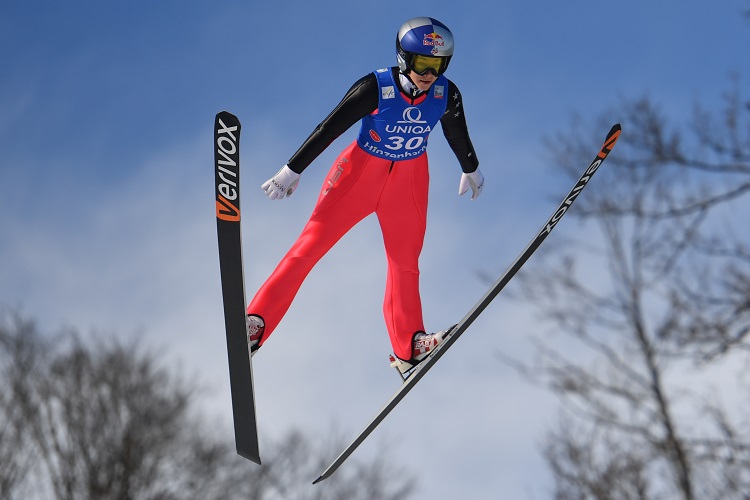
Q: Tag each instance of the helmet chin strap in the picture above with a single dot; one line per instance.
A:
(408, 85)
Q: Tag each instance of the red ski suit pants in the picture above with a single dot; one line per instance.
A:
(358, 185)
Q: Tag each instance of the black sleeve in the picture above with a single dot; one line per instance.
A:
(456, 132)
(359, 101)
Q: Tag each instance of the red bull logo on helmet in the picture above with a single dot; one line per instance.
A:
(433, 40)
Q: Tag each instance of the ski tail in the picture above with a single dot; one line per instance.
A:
(480, 306)
(227, 176)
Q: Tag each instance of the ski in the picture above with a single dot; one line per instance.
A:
(227, 175)
(423, 367)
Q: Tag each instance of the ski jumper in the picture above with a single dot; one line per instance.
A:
(385, 171)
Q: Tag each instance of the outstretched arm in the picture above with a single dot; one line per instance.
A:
(359, 101)
(456, 132)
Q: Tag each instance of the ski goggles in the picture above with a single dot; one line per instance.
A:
(421, 65)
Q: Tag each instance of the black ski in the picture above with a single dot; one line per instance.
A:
(227, 169)
(461, 327)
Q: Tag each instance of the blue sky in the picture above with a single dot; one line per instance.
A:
(106, 195)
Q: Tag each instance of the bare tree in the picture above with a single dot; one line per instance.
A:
(101, 420)
(18, 358)
(652, 305)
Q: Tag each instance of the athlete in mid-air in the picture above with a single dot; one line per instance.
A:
(384, 171)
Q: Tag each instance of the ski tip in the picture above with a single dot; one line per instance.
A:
(609, 142)
(318, 480)
(226, 116)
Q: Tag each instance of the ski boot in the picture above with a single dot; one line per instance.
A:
(423, 344)
(255, 328)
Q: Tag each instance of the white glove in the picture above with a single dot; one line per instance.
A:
(474, 180)
(282, 184)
